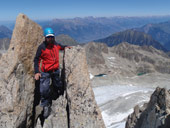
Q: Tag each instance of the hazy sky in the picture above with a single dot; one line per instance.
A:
(49, 9)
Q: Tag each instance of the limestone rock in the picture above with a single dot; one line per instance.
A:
(16, 75)
(156, 114)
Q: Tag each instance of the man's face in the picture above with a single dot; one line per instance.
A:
(49, 39)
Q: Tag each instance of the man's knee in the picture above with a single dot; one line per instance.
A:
(45, 91)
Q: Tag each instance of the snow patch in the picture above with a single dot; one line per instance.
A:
(130, 93)
(109, 120)
(111, 58)
(103, 94)
(91, 76)
(114, 118)
(118, 125)
(130, 84)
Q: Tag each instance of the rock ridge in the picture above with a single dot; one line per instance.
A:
(155, 114)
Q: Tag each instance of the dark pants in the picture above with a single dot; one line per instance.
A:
(45, 82)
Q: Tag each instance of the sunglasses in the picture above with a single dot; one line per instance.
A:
(50, 37)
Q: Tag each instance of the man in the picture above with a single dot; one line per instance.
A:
(46, 66)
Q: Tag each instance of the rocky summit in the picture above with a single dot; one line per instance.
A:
(155, 114)
(75, 107)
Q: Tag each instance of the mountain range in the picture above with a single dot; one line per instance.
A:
(5, 32)
(132, 37)
(92, 28)
(125, 59)
(159, 31)
(66, 40)
(77, 106)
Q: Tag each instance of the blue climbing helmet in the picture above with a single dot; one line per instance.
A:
(48, 32)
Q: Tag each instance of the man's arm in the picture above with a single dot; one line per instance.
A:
(62, 47)
(36, 60)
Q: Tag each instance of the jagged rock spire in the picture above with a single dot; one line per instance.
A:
(155, 114)
(16, 74)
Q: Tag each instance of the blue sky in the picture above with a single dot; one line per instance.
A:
(50, 9)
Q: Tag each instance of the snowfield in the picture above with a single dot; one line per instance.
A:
(117, 102)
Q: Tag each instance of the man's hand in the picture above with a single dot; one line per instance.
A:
(68, 47)
(37, 76)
